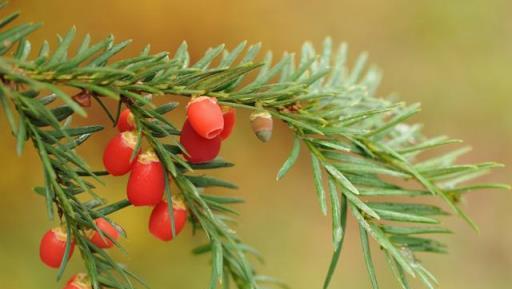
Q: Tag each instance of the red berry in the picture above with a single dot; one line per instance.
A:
(199, 150)
(205, 116)
(118, 152)
(146, 184)
(79, 281)
(126, 121)
(229, 122)
(160, 222)
(108, 230)
(53, 247)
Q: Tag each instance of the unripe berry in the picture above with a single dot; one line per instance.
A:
(261, 123)
(126, 121)
(146, 184)
(229, 122)
(79, 281)
(160, 222)
(108, 230)
(83, 98)
(205, 116)
(118, 152)
(53, 247)
(199, 149)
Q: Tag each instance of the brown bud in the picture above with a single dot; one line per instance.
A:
(148, 96)
(261, 122)
(83, 98)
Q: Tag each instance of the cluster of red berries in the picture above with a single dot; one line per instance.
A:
(206, 126)
(53, 243)
(146, 184)
(53, 247)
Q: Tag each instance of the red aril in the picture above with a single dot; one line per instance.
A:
(79, 281)
(108, 230)
(160, 222)
(199, 150)
(117, 154)
(229, 122)
(146, 184)
(205, 116)
(126, 121)
(53, 247)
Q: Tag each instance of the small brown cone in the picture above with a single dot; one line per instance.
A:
(83, 98)
(261, 122)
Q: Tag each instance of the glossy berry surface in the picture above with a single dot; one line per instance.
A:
(229, 116)
(126, 121)
(146, 184)
(160, 222)
(205, 116)
(199, 149)
(117, 154)
(108, 230)
(53, 247)
(78, 281)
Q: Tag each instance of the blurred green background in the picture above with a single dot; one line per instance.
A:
(453, 56)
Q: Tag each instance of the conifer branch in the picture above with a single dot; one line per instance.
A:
(360, 145)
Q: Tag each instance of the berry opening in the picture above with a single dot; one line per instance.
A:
(214, 133)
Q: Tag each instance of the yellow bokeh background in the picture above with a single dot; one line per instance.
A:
(453, 56)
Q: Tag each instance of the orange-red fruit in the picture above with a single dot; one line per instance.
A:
(146, 184)
(199, 149)
(160, 222)
(108, 230)
(126, 121)
(79, 281)
(229, 122)
(117, 154)
(53, 247)
(205, 116)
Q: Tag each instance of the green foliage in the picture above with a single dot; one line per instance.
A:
(358, 142)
